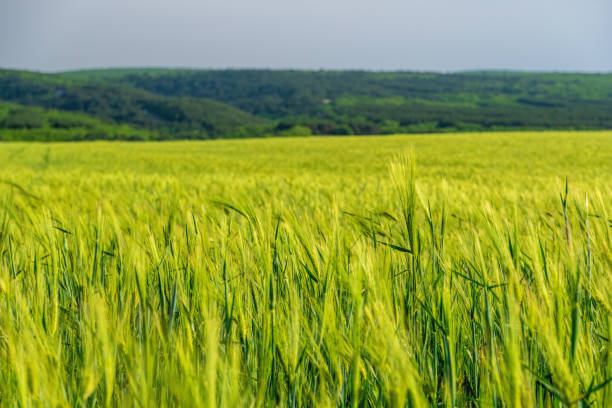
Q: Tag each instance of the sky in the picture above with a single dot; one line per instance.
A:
(432, 35)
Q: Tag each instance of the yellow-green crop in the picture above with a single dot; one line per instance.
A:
(430, 270)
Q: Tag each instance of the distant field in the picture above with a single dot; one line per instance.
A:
(313, 271)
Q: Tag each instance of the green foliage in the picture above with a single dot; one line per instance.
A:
(365, 100)
(23, 119)
(296, 130)
(308, 272)
(63, 121)
(209, 104)
(36, 124)
(168, 116)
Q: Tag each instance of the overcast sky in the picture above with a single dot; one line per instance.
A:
(441, 35)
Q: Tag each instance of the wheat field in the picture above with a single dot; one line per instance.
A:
(450, 270)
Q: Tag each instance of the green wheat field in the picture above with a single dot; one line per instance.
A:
(449, 270)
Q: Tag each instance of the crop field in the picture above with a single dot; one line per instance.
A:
(449, 270)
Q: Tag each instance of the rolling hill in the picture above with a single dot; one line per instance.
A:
(200, 104)
(170, 116)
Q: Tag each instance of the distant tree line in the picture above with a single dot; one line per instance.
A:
(191, 104)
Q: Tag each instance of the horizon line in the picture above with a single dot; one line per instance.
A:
(294, 69)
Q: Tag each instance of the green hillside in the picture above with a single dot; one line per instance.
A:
(21, 123)
(172, 117)
(388, 102)
(202, 104)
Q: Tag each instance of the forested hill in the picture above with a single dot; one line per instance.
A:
(183, 103)
(384, 102)
(164, 117)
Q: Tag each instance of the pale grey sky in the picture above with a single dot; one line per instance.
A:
(441, 35)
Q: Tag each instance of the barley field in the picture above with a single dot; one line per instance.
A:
(456, 270)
